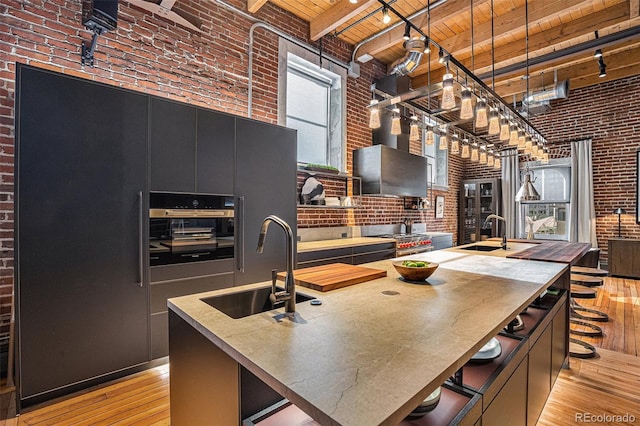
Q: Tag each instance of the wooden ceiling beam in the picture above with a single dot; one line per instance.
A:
(438, 15)
(607, 21)
(254, 5)
(338, 14)
(634, 8)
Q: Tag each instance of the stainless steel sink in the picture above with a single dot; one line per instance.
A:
(480, 247)
(244, 303)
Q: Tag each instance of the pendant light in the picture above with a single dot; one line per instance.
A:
(490, 159)
(534, 150)
(385, 15)
(466, 108)
(494, 123)
(528, 145)
(481, 114)
(521, 140)
(496, 162)
(474, 153)
(395, 122)
(414, 132)
(513, 135)
(455, 144)
(483, 155)
(444, 143)
(504, 129)
(448, 98)
(428, 139)
(374, 114)
(465, 150)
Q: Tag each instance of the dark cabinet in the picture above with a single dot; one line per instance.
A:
(215, 152)
(265, 184)
(478, 199)
(81, 204)
(172, 148)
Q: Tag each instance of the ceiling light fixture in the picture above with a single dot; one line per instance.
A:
(513, 135)
(474, 154)
(496, 162)
(466, 107)
(490, 159)
(603, 67)
(444, 143)
(481, 114)
(407, 32)
(441, 57)
(448, 99)
(483, 155)
(395, 122)
(494, 123)
(465, 150)
(455, 144)
(504, 129)
(428, 138)
(353, 1)
(385, 15)
(374, 114)
(414, 132)
(598, 53)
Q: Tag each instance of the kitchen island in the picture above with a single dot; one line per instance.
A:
(368, 355)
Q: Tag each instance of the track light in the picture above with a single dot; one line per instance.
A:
(598, 54)
(427, 49)
(441, 56)
(407, 32)
(603, 67)
(385, 15)
(353, 1)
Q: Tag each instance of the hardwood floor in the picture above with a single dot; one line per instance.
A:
(606, 385)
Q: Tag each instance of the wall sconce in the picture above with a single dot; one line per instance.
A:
(619, 211)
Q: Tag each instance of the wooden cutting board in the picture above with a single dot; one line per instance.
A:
(333, 276)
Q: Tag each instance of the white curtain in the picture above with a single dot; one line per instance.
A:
(510, 185)
(583, 214)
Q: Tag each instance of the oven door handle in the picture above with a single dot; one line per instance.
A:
(140, 239)
(240, 233)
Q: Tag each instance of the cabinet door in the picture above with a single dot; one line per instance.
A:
(265, 185)
(81, 162)
(215, 153)
(172, 144)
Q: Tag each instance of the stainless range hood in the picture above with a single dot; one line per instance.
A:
(387, 167)
(389, 171)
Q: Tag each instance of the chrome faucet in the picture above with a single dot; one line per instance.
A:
(504, 234)
(289, 293)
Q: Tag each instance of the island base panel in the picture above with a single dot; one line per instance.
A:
(195, 364)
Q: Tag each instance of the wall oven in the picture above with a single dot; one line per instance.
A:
(190, 227)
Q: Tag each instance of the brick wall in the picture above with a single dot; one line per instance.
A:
(158, 57)
(609, 114)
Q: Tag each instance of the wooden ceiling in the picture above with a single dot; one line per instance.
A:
(561, 37)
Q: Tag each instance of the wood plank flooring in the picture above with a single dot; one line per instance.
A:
(606, 385)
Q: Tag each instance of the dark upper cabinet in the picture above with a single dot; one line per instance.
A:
(82, 305)
(265, 184)
(215, 152)
(172, 146)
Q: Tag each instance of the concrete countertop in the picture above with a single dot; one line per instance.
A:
(369, 357)
(304, 246)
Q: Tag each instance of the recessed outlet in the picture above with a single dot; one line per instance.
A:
(344, 235)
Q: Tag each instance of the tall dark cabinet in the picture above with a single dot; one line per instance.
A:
(479, 198)
(80, 205)
(265, 171)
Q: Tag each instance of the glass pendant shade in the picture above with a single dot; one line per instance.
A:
(490, 160)
(504, 130)
(545, 158)
(474, 154)
(465, 151)
(444, 143)
(466, 107)
(482, 119)
(483, 156)
(428, 140)
(494, 123)
(513, 135)
(521, 140)
(534, 150)
(528, 145)
(448, 98)
(455, 145)
(395, 123)
(496, 163)
(414, 133)
(374, 115)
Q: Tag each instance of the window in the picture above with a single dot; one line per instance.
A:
(438, 160)
(314, 106)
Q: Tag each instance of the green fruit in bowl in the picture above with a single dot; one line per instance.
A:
(415, 264)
